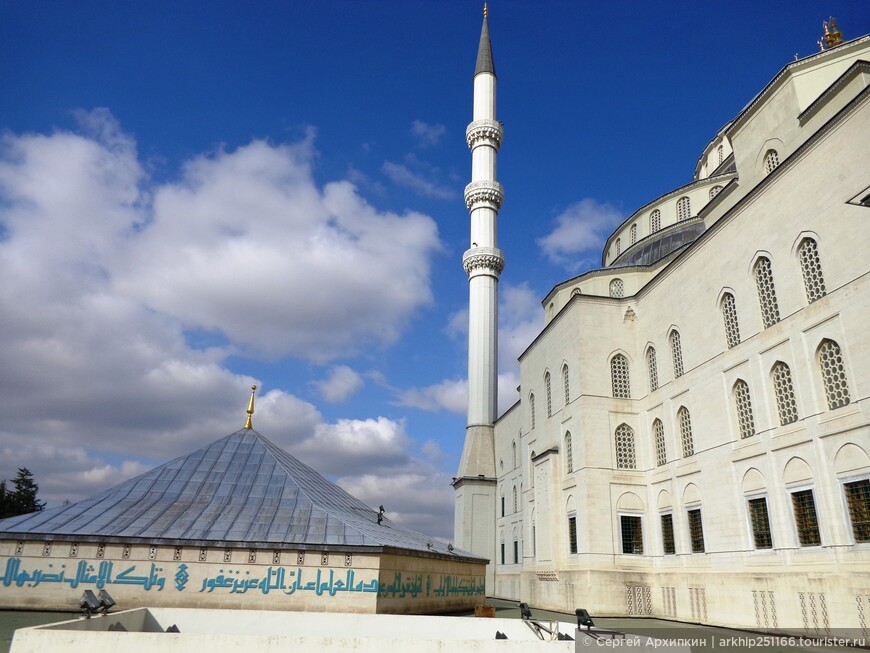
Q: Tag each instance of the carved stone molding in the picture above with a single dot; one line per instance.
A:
(489, 192)
(488, 131)
(483, 258)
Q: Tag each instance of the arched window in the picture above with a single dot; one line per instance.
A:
(729, 315)
(771, 161)
(719, 155)
(684, 209)
(565, 384)
(676, 353)
(766, 292)
(743, 402)
(833, 374)
(619, 377)
(532, 407)
(685, 421)
(655, 221)
(617, 289)
(625, 456)
(653, 368)
(715, 191)
(618, 247)
(659, 435)
(633, 234)
(514, 453)
(783, 389)
(549, 395)
(811, 269)
(569, 453)
(516, 502)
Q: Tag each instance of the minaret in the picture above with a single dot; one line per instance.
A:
(475, 485)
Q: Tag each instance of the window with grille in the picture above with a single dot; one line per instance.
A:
(766, 292)
(858, 500)
(771, 161)
(569, 453)
(549, 394)
(625, 455)
(833, 374)
(668, 534)
(677, 353)
(619, 377)
(715, 191)
(729, 315)
(632, 534)
(565, 384)
(696, 530)
(655, 221)
(760, 523)
(743, 402)
(685, 421)
(811, 269)
(618, 247)
(516, 552)
(805, 518)
(516, 503)
(659, 435)
(633, 234)
(572, 534)
(502, 553)
(719, 154)
(653, 369)
(783, 389)
(532, 408)
(617, 288)
(684, 210)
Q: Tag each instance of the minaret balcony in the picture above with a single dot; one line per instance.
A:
(484, 260)
(484, 192)
(484, 132)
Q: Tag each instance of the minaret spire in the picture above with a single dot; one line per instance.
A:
(475, 485)
(250, 411)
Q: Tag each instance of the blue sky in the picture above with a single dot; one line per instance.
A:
(195, 197)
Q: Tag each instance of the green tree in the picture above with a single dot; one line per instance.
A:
(23, 499)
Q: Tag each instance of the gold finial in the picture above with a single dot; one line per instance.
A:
(484, 10)
(248, 424)
(833, 36)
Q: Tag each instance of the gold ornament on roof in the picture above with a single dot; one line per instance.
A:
(832, 37)
(484, 10)
(248, 424)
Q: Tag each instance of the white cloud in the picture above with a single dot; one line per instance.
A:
(579, 233)
(402, 175)
(341, 383)
(450, 395)
(108, 271)
(427, 135)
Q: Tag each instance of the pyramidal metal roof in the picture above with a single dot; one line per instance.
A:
(239, 489)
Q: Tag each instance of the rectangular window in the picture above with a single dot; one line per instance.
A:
(805, 518)
(760, 523)
(668, 534)
(632, 535)
(858, 499)
(572, 534)
(502, 506)
(502, 553)
(516, 552)
(696, 531)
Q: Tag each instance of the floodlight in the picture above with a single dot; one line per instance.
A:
(583, 618)
(89, 603)
(450, 547)
(525, 611)
(380, 514)
(500, 635)
(106, 601)
(173, 629)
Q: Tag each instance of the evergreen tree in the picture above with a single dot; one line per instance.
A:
(23, 499)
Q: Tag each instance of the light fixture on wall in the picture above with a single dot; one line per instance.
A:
(583, 618)
(106, 601)
(89, 603)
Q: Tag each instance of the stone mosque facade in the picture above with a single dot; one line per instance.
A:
(692, 438)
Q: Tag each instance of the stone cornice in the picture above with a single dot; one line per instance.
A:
(484, 192)
(488, 259)
(484, 132)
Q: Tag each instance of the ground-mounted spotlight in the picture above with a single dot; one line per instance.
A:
(583, 618)
(106, 601)
(525, 611)
(89, 603)
(173, 629)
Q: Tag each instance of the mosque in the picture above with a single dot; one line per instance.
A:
(692, 435)
(237, 524)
